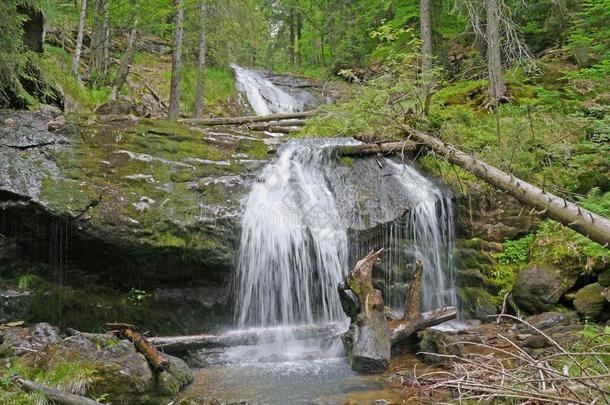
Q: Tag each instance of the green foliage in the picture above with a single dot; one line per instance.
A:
(28, 281)
(515, 251)
(590, 36)
(137, 296)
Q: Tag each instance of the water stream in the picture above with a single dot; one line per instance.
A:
(306, 220)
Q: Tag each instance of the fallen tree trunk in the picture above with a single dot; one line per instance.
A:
(247, 120)
(275, 129)
(375, 148)
(370, 337)
(55, 395)
(182, 344)
(287, 123)
(585, 222)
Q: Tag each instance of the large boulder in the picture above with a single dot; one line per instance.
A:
(590, 301)
(539, 287)
(21, 340)
(118, 372)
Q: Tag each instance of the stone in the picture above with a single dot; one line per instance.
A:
(590, 301)
(22, 340)
(547, 320)
(604, 278)
(120, 372)
(538, 287)
(477, 303)
(433, 342)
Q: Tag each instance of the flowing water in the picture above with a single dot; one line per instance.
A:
(263, 96)
(306, 220)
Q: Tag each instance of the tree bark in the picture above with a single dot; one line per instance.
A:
(55, 395)
(497, 89)
(375, 148)
(585, 222)
(156, 359)
(200, 97)
(124, 68)
(79, 40)
(174, 93)
(370, 337)
(426, 37)
(292, 31)
(248, 120)
(368, 340)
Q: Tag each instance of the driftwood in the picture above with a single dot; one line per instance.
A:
(286, 123)
(157, 360)
(274, 129)
(247, 120)
(182, 344)
(370, 337)
(55, 395)
(585, 222)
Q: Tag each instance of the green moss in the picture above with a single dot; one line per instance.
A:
(67, 196)
(346, 161)
(254, 148)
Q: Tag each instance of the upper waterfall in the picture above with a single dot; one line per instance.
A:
(264, 96)
(297, 239)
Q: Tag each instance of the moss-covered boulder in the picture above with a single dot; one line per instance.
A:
(477, 303)
(118, 372)
(604, 278)
(149, 200)
(590, 301)
(435, 342)
(538, 287)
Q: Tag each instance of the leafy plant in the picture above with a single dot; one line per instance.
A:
(515, 251)
(137, 296)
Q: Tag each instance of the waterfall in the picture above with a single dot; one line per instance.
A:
(264, 96)
(295, 243)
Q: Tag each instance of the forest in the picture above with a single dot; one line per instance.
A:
(304, 202)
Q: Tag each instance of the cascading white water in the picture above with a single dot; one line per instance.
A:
(264, 96)
(293, 251)
(294, 243)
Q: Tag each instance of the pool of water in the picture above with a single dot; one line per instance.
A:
(307, 372)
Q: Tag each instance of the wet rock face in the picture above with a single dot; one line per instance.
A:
(149, 200)
(539, 287)
(493, 217)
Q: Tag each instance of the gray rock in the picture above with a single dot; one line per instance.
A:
(547, 320)
(539, 287)
(120, 371)
(22, 340)
(590, 301)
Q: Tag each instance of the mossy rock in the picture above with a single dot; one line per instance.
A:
(604, 278)
(477, 303)
(538, 287)
(590, 301)
(434, 342)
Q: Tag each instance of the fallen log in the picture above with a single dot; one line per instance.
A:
(287, 123)
(181, 344)
(55, 395)
(375, 148)
(158, 361)
(370, 336)
(247, 120)
(275, 129)
(583, 221)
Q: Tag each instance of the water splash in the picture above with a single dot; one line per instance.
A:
(264, 96)
(294, 245)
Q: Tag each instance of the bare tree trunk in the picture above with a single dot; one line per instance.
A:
(99, 40)
(79, 39)
(106, 41)
(298, 39)
(426, 51)
(123, 71)
(426, 36)
(497, 89)
(200, 98)
(174, 93)
(291, 24)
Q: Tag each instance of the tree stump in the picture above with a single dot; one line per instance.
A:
(370, 337)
